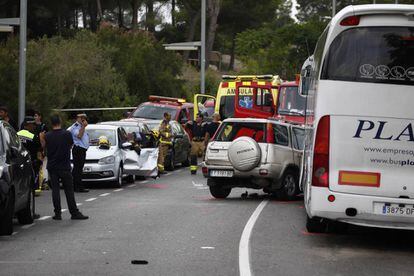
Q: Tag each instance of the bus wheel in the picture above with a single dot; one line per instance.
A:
(315, 225)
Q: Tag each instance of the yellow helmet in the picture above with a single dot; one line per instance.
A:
(103, 142)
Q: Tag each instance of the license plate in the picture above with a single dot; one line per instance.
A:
(87, 169)
(394, 210)
(221, 173)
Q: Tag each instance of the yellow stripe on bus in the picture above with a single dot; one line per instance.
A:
(359, 178)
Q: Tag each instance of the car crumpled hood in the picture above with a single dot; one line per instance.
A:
(97, 153)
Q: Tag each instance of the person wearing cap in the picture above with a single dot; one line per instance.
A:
(31, 143)
(4, 115)
(199, 131)
(165, 133)
(80, 146)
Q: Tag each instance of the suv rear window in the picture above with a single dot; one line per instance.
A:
(372, 54)
(230, 131)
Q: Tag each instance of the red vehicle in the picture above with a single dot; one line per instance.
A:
(154, 109)
(260, 102)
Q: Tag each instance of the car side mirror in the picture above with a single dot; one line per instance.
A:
(126, 145)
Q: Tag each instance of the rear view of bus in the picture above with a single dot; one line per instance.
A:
(359, 165)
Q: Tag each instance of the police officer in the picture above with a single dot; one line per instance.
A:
(80, 146)
(31, 142)
(165, 141)
(199, 131)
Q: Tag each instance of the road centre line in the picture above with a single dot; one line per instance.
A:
(44, 218)
(64, 210)
(118, 190)
(131, 186)
(207, 247)
(143, 182)
(90, 199)
(79, 204)
(105, 194)
(244, 246)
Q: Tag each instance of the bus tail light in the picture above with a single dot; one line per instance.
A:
(350, 21)
(320, 175)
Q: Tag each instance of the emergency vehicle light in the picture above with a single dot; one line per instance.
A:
(153, 98)
(350, 21)
(247, 77)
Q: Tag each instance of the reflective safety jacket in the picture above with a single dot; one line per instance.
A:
(165, 133)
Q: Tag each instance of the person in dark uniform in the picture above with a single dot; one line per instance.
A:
(80, 146)
(198, 129)
(212, 127)
(41, 128)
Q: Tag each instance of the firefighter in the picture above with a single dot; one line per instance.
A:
(165, 141)
(198, 129)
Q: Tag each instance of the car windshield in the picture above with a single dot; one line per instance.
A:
(227, 107)
(290, 101)
(372, 54)
(229, 131)
(153, 112)
(94, 135)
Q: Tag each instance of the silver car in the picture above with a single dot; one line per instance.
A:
(109, 164)
(254, 153)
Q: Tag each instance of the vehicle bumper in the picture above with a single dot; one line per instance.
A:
(319, 206)
(99, 173)
(262, 171)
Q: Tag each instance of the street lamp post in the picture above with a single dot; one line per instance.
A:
(22, 60)
(203, 48)
(333, 8)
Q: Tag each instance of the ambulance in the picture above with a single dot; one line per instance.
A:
(359, 145)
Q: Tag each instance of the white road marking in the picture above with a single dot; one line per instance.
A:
(207, 247)
(118, 190)
(79, 204)
(45, 218)
(90, 199)
(167, 174)
(131, 186)
(28, 226)
(202, 188)
(14, 233)
(244, 246)
(105, 194)
(143, 182)
(197, 184)
(64, 210)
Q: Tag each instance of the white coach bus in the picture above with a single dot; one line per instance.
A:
(359, 150)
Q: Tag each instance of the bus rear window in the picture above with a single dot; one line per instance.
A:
(372, 54)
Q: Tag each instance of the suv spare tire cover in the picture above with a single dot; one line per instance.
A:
(244, 154)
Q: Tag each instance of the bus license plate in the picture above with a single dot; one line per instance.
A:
(394, 210)
(221, 173)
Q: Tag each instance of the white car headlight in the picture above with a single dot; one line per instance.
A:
(107, 160)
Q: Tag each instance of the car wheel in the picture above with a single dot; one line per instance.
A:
(315, 225)
(130, 179)
(217, 190)
(118, 181)
(170, 166)
(25, 216)
(290, 185)
(6, 221)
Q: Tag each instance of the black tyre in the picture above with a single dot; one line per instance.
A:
(130, 179)
(315, 225)
(290, 185)
(118, 181)
(337, 227)
(25, 216)
(170, 166)
(217, 190)
(6, 220)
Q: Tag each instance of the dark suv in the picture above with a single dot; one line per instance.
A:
(16, 178)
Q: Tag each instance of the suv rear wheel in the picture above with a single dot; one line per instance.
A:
(25, 216)
(6, 220)
(290, 185)
(315, 225)
(216, 188)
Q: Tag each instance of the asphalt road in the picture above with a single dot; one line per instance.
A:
(175, 226)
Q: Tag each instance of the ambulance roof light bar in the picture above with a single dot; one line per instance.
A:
(153, 98)
(247, 77)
